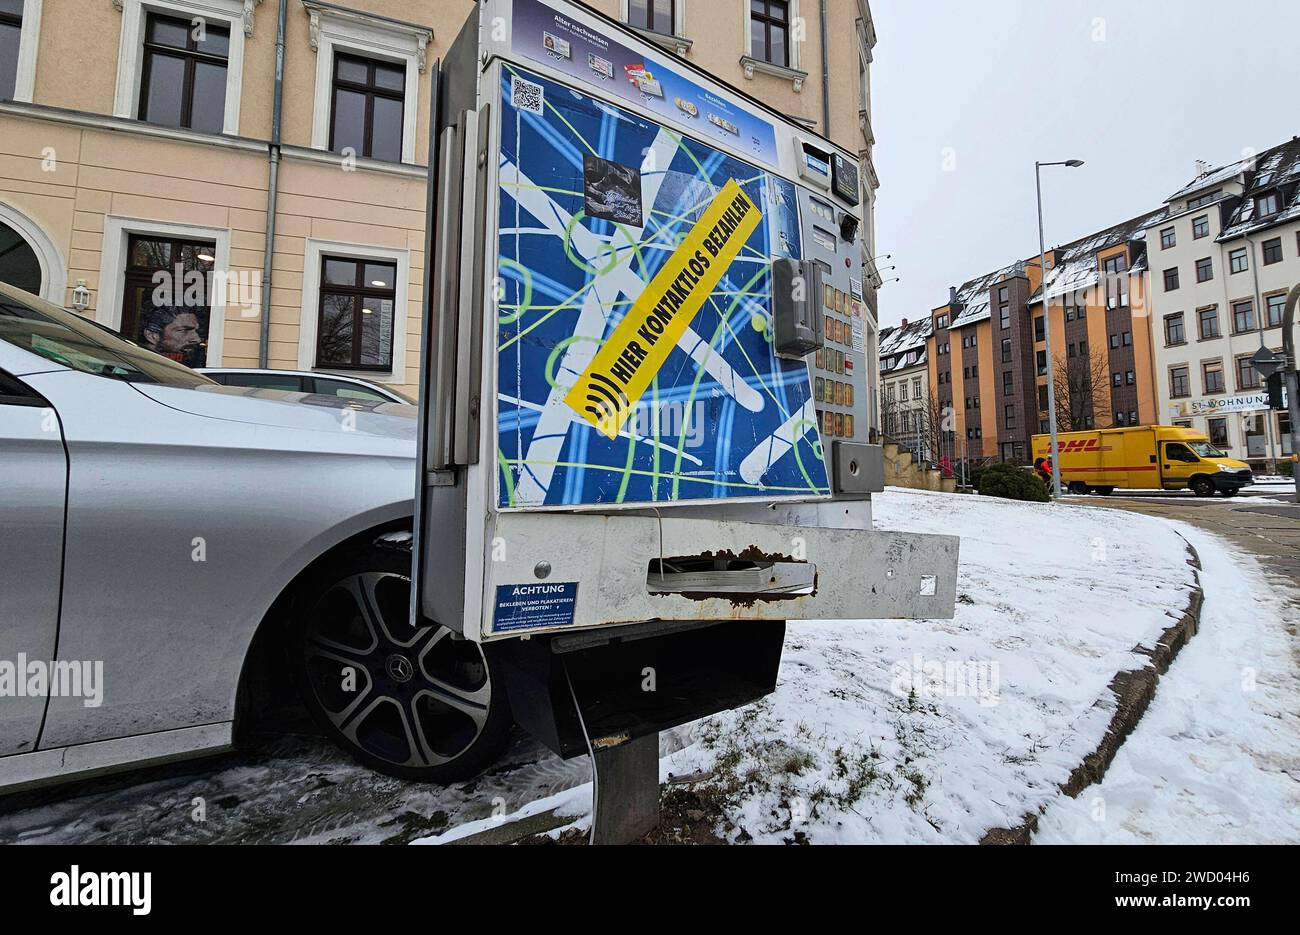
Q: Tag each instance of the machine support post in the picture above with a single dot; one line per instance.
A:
(625, 805)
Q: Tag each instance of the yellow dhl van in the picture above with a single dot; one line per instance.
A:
(1143, 457)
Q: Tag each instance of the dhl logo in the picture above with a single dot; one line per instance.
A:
(1076, 445)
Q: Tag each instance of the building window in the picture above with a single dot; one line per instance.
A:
(1119, 417)
(1042, 398)
(369, 100)
(355, 325)
(1039, 333)
(1007, 384)
(1126, 338)
(19, 264)
(1004, 308)
(1218, 432)
(1174, 331)
(183, 76)
(1006, 350)
(1130, 377)
(1069, 349)
(916, 388)
(173, 321)
(1069, 314)
(1243, 316)
(941, 322)
(1204, 269)
(1275, 304)
(651, 15)
(902, 391)
(1247, 378)
(1179, 385)
(11, 34)
(1272, 251)
(1116, 281)
(1238, 261)
(1171, 279)
(366, 96)
(1269, 204)
(1207, 320)
(1132, 417)
(1042, 363)
(1212, 376)
(1114, 341)
(1117, 378)
(769, 31)
(1201, 227)
(1009, 416)
(1202, 200)
(1167, 238)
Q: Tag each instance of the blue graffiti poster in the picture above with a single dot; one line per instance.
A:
(594, 201)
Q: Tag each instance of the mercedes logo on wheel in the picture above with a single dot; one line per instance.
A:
(399, 668)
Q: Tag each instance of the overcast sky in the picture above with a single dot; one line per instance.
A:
(966, 94)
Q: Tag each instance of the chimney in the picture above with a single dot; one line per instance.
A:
(903, 326)
(952, 295)
(1202, 168)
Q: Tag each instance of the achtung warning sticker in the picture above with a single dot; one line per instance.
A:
(608, 391)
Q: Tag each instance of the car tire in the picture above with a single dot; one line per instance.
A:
(1202, 487)
(1079, 487)
(423, 703)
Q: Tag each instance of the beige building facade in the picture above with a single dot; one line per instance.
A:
(136, 153)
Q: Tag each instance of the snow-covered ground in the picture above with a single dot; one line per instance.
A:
(1216, 758)
(938, 730)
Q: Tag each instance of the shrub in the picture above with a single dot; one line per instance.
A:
(1012, 483)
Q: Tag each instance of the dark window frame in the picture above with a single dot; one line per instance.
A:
(1168, 238)
(1201, 227)
(1171, 279)
(1201, 319)
(369, 90)
(191, 55)
(1272, 250)
(650, 25)
(1172, 321)
(359, 292)
(15, 21)
(1208, 268)
(1238, 261)
(769, 23)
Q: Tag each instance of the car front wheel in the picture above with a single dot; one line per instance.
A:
(1203, 487)
(415, 702)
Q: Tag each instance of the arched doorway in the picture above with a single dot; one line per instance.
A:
(19, 264)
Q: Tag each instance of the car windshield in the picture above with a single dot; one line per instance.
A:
(1206, 450)
(71, 341)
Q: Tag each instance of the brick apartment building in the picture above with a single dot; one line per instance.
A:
(987, 351)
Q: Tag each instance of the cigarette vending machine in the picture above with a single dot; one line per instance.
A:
(645, 399)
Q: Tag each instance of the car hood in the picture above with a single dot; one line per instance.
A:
(305, 411)
(1231, 463)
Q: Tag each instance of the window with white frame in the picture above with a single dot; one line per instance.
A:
(354, 309)
(181, 62)
(20, 22)
(367, 82)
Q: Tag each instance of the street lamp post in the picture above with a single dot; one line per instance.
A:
(1047, 321)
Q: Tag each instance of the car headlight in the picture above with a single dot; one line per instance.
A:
(1230, 470)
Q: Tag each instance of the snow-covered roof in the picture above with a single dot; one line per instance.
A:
(904, 347)
(1210, 179)
(1276, 169)
(973, 295)
(1076, 266)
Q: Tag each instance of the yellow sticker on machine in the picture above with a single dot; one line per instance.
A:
(608, 391)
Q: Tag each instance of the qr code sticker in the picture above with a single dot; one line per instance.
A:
(524, 95)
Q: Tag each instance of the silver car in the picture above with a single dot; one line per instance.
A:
(174, 553)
